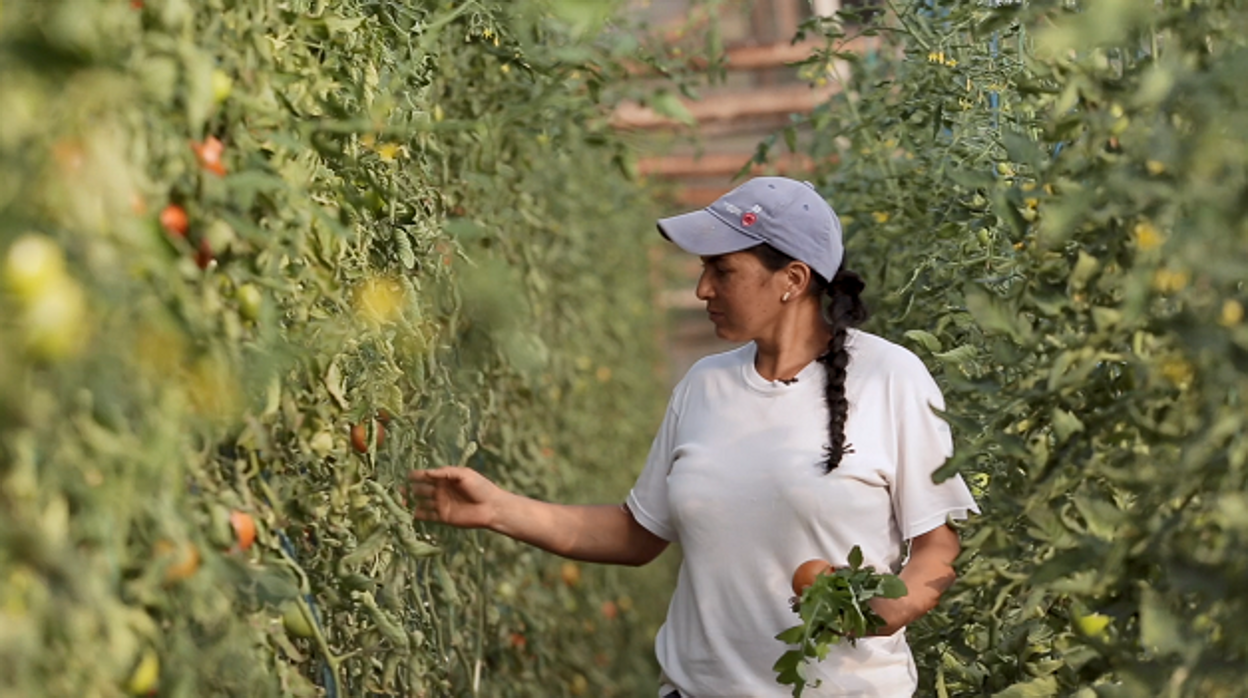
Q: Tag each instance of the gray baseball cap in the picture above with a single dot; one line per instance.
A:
(787, 214)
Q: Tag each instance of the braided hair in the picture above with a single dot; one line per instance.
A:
(843, 309)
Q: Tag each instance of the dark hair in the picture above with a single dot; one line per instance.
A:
(844, 309)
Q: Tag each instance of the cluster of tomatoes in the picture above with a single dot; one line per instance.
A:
(173, 217)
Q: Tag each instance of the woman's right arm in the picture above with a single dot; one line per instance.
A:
(464, 498)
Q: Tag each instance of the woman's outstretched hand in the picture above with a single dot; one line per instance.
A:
(456, 496)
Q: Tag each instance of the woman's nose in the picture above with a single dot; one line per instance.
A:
(703, 289)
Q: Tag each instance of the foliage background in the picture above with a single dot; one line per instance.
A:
(418, 210)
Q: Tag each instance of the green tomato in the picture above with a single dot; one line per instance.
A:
(295, 622)
(222, 86)
(249, 302)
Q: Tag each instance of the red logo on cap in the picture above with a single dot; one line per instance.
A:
(748, 218)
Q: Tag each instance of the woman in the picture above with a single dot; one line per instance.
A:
(809, 439)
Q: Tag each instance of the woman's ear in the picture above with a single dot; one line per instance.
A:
(798, 276)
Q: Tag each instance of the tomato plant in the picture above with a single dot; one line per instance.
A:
(180, 490)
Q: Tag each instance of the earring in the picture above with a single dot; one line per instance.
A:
(785, 298)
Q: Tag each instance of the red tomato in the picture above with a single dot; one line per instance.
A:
(806, 573)
(175, 221)
(203, 256)
(359, 438)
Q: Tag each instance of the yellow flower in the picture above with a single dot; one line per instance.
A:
(1155, 167)
(505, 68)
(1169, 281)
(389, 152)
(951, 63)
(1147, 237)
(880, 216)
(1178, 371)
(1232, 313)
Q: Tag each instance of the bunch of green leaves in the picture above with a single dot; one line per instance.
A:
(834, 609)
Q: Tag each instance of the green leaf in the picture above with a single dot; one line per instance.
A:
(1160, 629)
(1022, 149)
(1065, 424)
(891, 587)
(996, 315)
(927, 339)
(855, 558)
(1043, 687)
(669, 105)
(793, 635)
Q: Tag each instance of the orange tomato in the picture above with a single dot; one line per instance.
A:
(359, 438)
(175, 221)
(184, 565)
(806, 573)
(359, 433)
(570, 573)
(609, 610)
(244, 528)
(209, 155)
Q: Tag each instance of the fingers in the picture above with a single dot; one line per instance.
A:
(449, 472)
(421, 490)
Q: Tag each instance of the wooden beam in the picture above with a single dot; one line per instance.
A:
(787, 99)
(690, 197)
(763, 56)
(720, 165)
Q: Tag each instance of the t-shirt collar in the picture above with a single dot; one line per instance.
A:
(808, 376)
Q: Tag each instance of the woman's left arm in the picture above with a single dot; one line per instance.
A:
(927, 575)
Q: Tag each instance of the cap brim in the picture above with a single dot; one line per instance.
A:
(701, 233)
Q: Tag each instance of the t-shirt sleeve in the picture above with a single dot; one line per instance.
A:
(924, 443)
(648, 499)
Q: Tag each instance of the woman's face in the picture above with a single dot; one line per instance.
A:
(742, 296)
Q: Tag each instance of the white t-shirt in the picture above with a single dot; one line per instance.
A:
(736, 477)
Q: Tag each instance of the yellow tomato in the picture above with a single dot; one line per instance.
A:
(146, 674)
(54, 320)
(32, 264)
(1093, 624)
